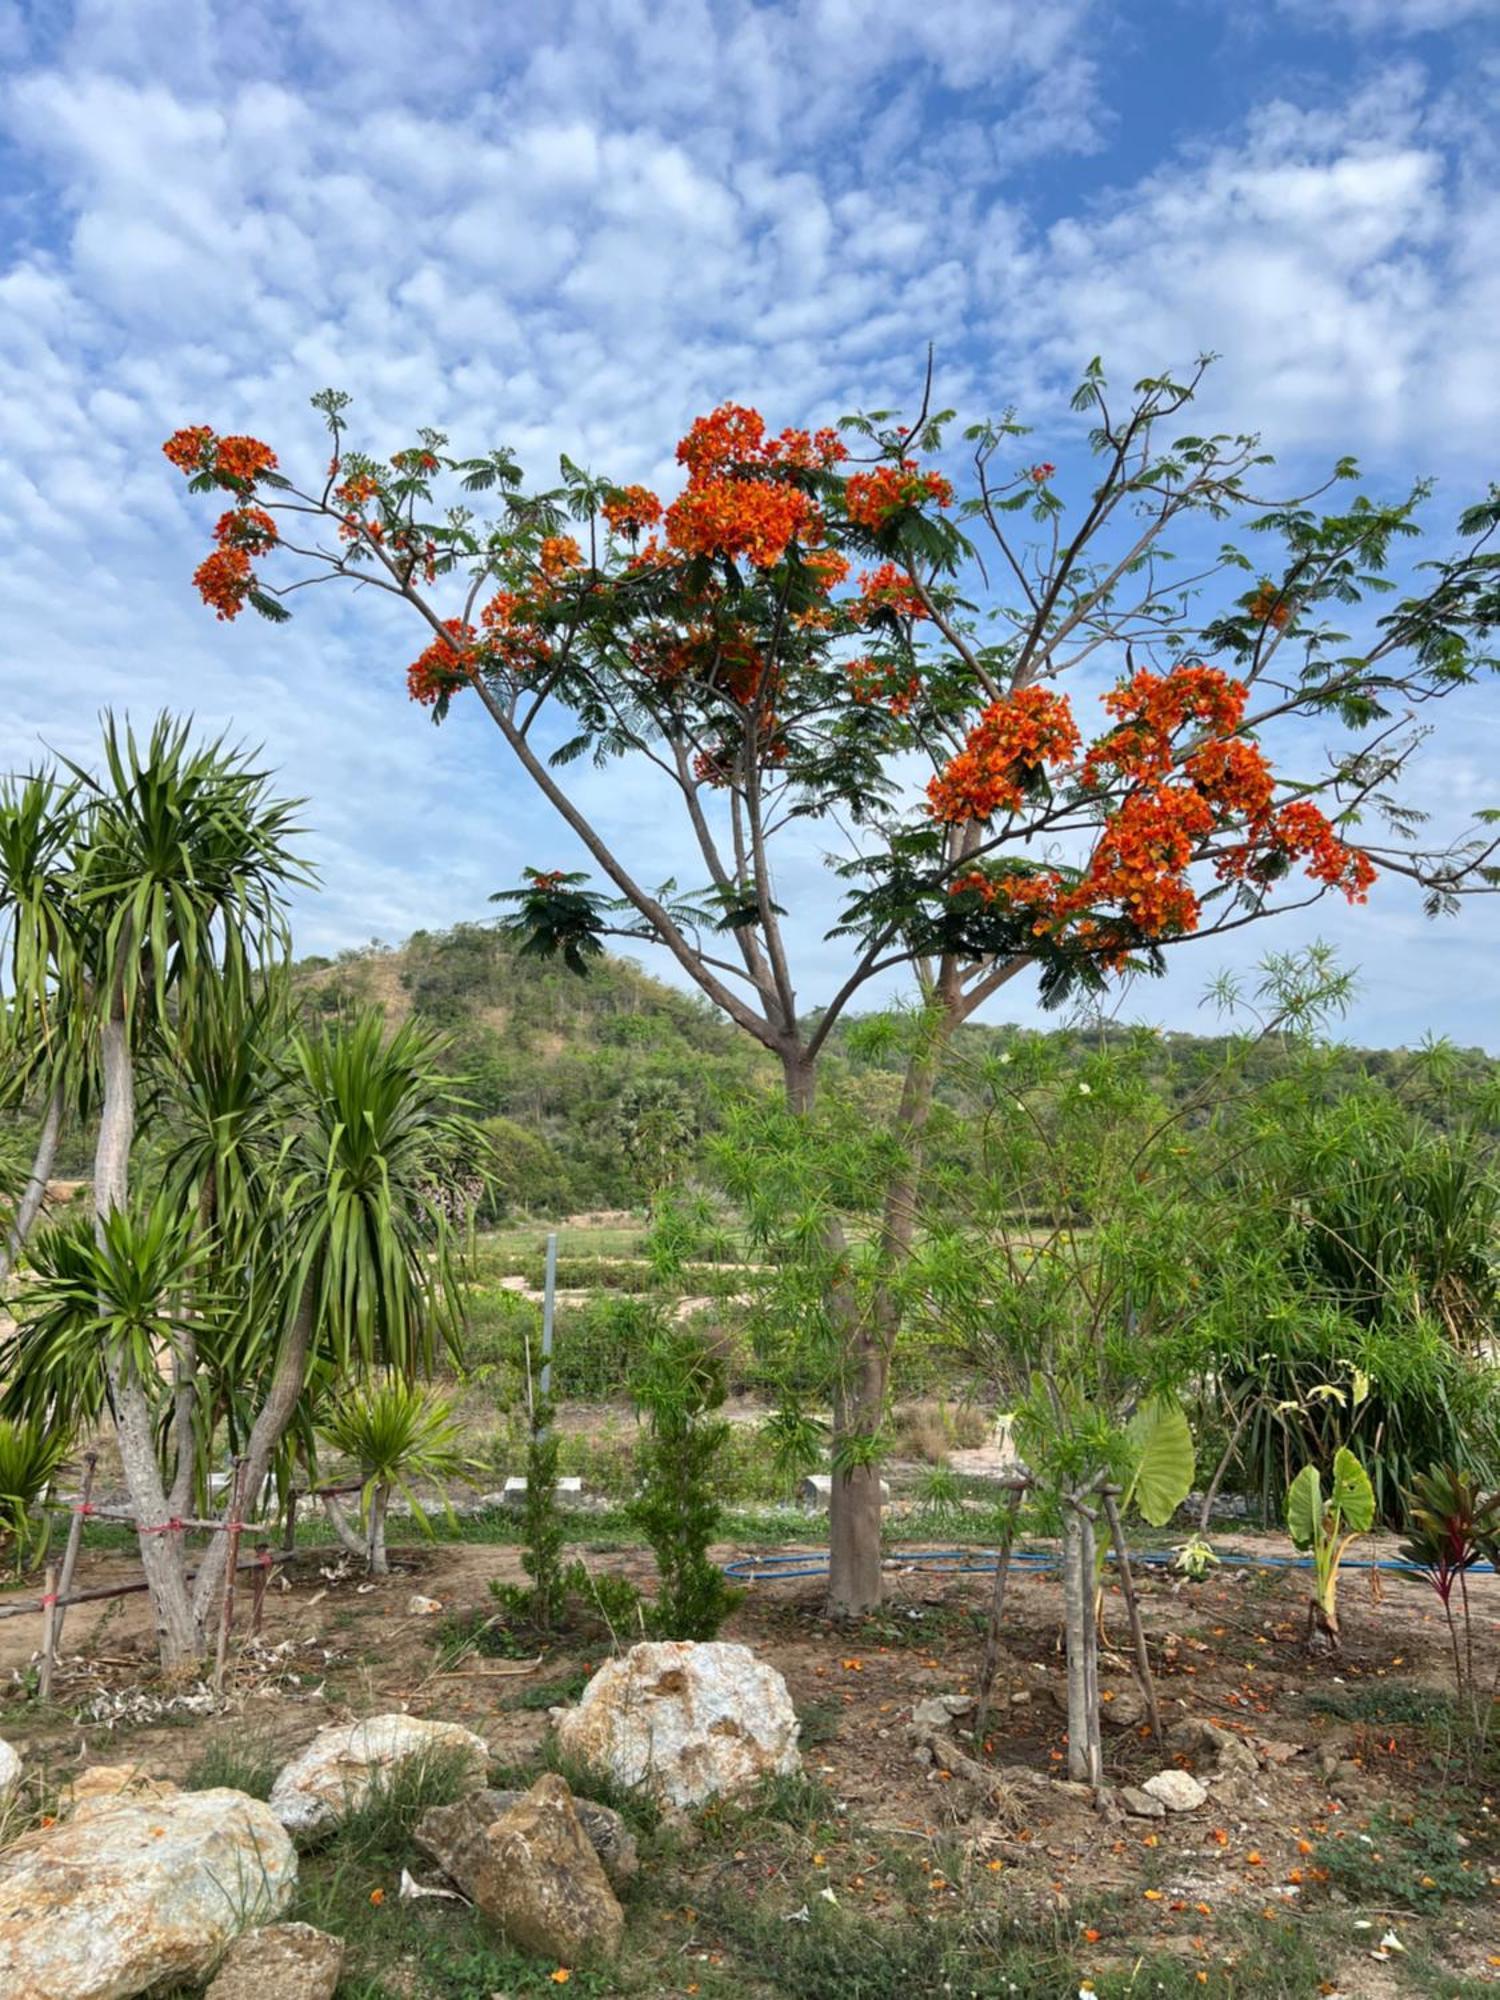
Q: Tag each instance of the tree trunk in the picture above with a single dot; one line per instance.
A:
(375, 1543)
(854, 1557)
(351, 1541)
(179, 1633)
(1076, 1589)
(266, 1433)
(854, 1553)
(29, 1207)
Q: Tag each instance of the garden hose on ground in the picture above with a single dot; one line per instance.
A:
(960, 1562)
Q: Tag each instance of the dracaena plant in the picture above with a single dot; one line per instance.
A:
(1324, 1528)
(1450, 1526)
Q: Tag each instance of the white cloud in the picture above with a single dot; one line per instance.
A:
(576, 236)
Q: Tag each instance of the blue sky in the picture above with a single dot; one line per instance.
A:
(574, 227)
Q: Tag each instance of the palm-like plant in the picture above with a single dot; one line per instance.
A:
(356, 1250)
(395, 1432)
(43, 1050)
(163, 877)
(31, 1455)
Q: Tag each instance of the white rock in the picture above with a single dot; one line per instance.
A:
(684, 1721)
(138, 1894)
(1179, 1791)
(10, 1770)
(567, 1488)
(418, 1606)
(817, 1490)
(336, 1771)
(940, 1711)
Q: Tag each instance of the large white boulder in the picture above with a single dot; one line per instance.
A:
(684, 1721)
(337, 1770)
(136, 1894)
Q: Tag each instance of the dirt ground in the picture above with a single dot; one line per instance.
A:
(1338, 1746)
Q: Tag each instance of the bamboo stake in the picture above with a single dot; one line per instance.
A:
(1133, 1612)
(69, 1564)
(100, 1592)
(49, 1631)
(226, 1602)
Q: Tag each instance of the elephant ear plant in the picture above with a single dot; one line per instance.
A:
(1325, 1528)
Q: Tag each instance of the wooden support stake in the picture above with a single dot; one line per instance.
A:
(49, 1632)
(1133, 1613)
(1094, 1750)
(997, 1612)
(226, 1603)
(70, 1563)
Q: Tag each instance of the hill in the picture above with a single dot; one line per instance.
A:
(576, 1076)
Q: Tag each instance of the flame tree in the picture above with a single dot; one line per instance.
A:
(1030, 739)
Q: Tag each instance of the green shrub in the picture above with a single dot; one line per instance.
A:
(678, 1385)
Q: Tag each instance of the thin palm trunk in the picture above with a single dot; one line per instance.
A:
(270, 1427)
(179, 1633)
(29, 1207)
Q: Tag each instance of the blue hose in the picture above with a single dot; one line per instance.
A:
(779, 1569)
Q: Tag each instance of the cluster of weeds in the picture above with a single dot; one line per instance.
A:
(1389, 1703)
(238, 1761)
(819, 1721)
(551, 1694)
(1409, 1861)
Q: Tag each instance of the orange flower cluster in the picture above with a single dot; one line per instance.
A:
(235, 460)
(871, 681)
(1268, 607)
(224, 580)
(447, 665)
(1151, 708)
(748, 518)
(248, 528)
(512, 632)
(355, 491)
(871, 498)
(633, 509)
(1174, 803)
(734, 437)
(1013, 738)
(1304, 833)
(244, 459)
(187, 448)
(730, 506)
(1142, 858)
(891, 589)
(559, 554)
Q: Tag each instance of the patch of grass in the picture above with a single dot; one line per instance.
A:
(819, 1722)
(1404, 1861)
(378, 1829)
(490, 1634)
(1390, 1702)
(638, 1809)
(551, 1694)
(239, 1762)
(452, 1954)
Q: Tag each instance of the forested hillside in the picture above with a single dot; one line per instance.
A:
(589, 1084)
